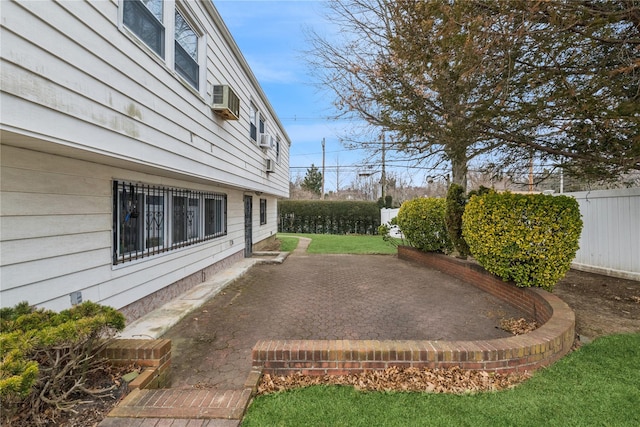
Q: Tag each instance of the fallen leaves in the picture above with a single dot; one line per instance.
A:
(517, 326)
(439, 380)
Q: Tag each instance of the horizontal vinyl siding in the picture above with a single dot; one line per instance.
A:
(25, 250)
(22, 276)
(40, 241)
(93, 87)
(28, 227)
(57, 237)
(262, 232)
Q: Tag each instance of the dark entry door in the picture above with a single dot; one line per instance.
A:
(248, 230)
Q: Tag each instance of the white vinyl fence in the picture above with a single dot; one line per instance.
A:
(387, 215)
(610, 240)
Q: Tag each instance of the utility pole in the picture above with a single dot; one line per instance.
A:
(337, 174)
(383, 178)
(323, 172)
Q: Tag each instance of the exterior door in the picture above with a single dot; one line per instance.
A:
(248, 230)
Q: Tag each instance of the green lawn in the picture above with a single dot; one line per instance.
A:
(287, 243)
(598, 385)
(341, 244)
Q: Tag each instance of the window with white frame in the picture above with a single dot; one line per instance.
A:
(278, 149)
(186, 51)
(263, 211)
(148, 220)
(253, 111)
(145, 19)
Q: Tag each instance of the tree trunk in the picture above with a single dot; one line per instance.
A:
(459, 169)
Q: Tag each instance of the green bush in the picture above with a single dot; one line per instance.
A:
(456, 200)
(45, 357)
(385, 231)
(422, 224)
(530, 239)
(328, 217)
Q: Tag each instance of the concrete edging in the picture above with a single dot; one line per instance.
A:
(526, 352)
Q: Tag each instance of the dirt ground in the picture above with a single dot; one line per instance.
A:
(603, 305)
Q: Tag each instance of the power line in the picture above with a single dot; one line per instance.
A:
(330, 119)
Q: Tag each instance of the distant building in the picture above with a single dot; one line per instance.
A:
(139, 154)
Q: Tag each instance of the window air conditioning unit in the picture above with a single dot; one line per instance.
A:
(270, 166)
(265, 141)
(225, 102)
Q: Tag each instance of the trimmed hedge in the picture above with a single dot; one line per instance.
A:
(422, 224)
(530, 239)
(328, 217)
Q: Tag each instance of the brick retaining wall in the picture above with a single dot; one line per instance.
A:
(526, 352)
(154, 356)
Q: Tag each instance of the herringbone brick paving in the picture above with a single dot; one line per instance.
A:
(326, 297)
(310, 297)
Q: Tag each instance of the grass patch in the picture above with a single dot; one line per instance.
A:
(341, 244)
(287, 244)
(597, 385)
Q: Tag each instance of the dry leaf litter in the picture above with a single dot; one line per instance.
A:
(517, 326)
(439, 380)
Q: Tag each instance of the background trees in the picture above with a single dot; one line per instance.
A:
(313, 180)
(493, 79)
(576, 82)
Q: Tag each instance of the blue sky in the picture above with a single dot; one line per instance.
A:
(271, 36)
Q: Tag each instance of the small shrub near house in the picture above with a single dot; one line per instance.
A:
(530, 239)
(47, 357)
(422, 224)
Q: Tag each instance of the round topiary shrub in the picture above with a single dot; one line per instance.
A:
(422, 224)
(530, 239)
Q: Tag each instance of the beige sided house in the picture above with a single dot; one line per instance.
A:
(139, 154)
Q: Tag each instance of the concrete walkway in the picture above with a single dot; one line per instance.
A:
(310, 297)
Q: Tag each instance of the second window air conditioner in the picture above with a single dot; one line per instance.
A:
(270, 165)
(225, 102)
(266, 141)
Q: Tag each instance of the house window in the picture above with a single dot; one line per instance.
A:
(278, 149)
(185, 219)
(154, 220)
(149, 220)
(253, 111)
(130, 214)
(263, 211)
(215, 215)
(186, 51)
(144, 19)
(261, 123)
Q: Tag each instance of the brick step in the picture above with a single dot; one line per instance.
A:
(184, 404)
